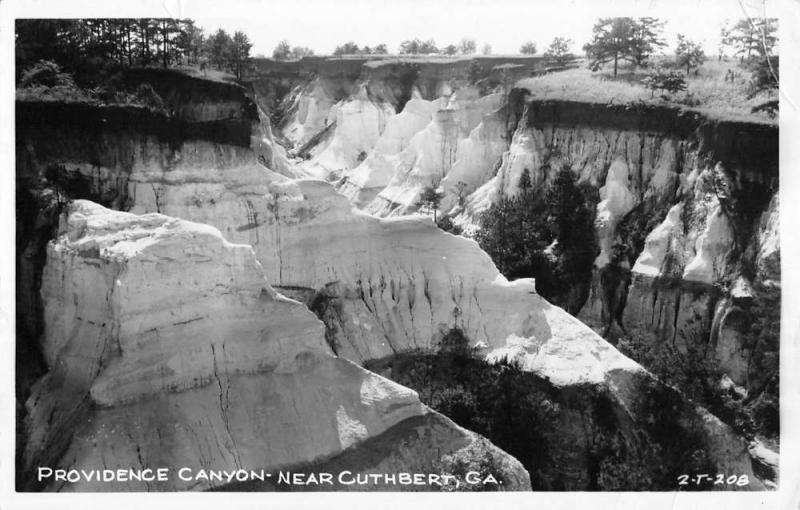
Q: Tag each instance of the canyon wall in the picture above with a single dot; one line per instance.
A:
(380, 286)
(683, 216)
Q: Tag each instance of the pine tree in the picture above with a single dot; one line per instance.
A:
(689, 54)
(646, 38)
(240, 53)
(612, 41)
(749, 37)
(218, 48)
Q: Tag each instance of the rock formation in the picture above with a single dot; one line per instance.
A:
(138, 308)
(166, 346)
(675, 194)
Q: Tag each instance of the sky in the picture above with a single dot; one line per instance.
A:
(505, 24)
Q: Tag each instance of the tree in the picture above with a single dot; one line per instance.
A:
(559, 49)
(145, 36)
(519, 234)
(190, 41)
(467, 46)
(167, 28)
(476, 72)
(429, 47)
(529, 48)
(240, 54)
(418, 47)
(450, 49)
(750, 37)
(348, 48)
(660, 79)
(299, 52)
(525, 184)
(380, 50)
(646, 38)
(486, 49)
(765, 77)
(85, 47)
(219, 48)
(689, 54)
(283, 51)
(612, 40)
(410, 47)
(430, 200)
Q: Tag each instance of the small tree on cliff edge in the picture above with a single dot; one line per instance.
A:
(430, 200)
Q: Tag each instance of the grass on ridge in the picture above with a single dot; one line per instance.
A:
(707, 91)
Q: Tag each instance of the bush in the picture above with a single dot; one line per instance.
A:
(661, 79)
(48, 74)
(44, 81)
(446, 223)
(149, 98)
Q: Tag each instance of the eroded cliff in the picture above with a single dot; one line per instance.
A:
(381, 287)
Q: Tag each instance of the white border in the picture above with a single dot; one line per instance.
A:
(788, 496)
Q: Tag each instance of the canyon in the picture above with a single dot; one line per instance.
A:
(206, 287)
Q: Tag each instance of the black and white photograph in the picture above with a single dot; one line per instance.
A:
(316, 247)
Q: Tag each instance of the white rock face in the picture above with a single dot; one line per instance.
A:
(168, 347)
(711, 249)
(659, 242)
(360, 121)
(768, 258)
(598, 156)
(616, 201)
(477, 156)
(311, 112)
(454, 140)
(400, 283)
(703, 249)
(375, 172)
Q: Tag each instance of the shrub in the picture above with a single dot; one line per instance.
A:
(149, 98)
(661, 79)
(446, 223)
(48, 74)
(44, 81)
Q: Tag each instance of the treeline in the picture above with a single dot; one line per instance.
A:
(75, 44)
(285, 51)
(635, 40)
